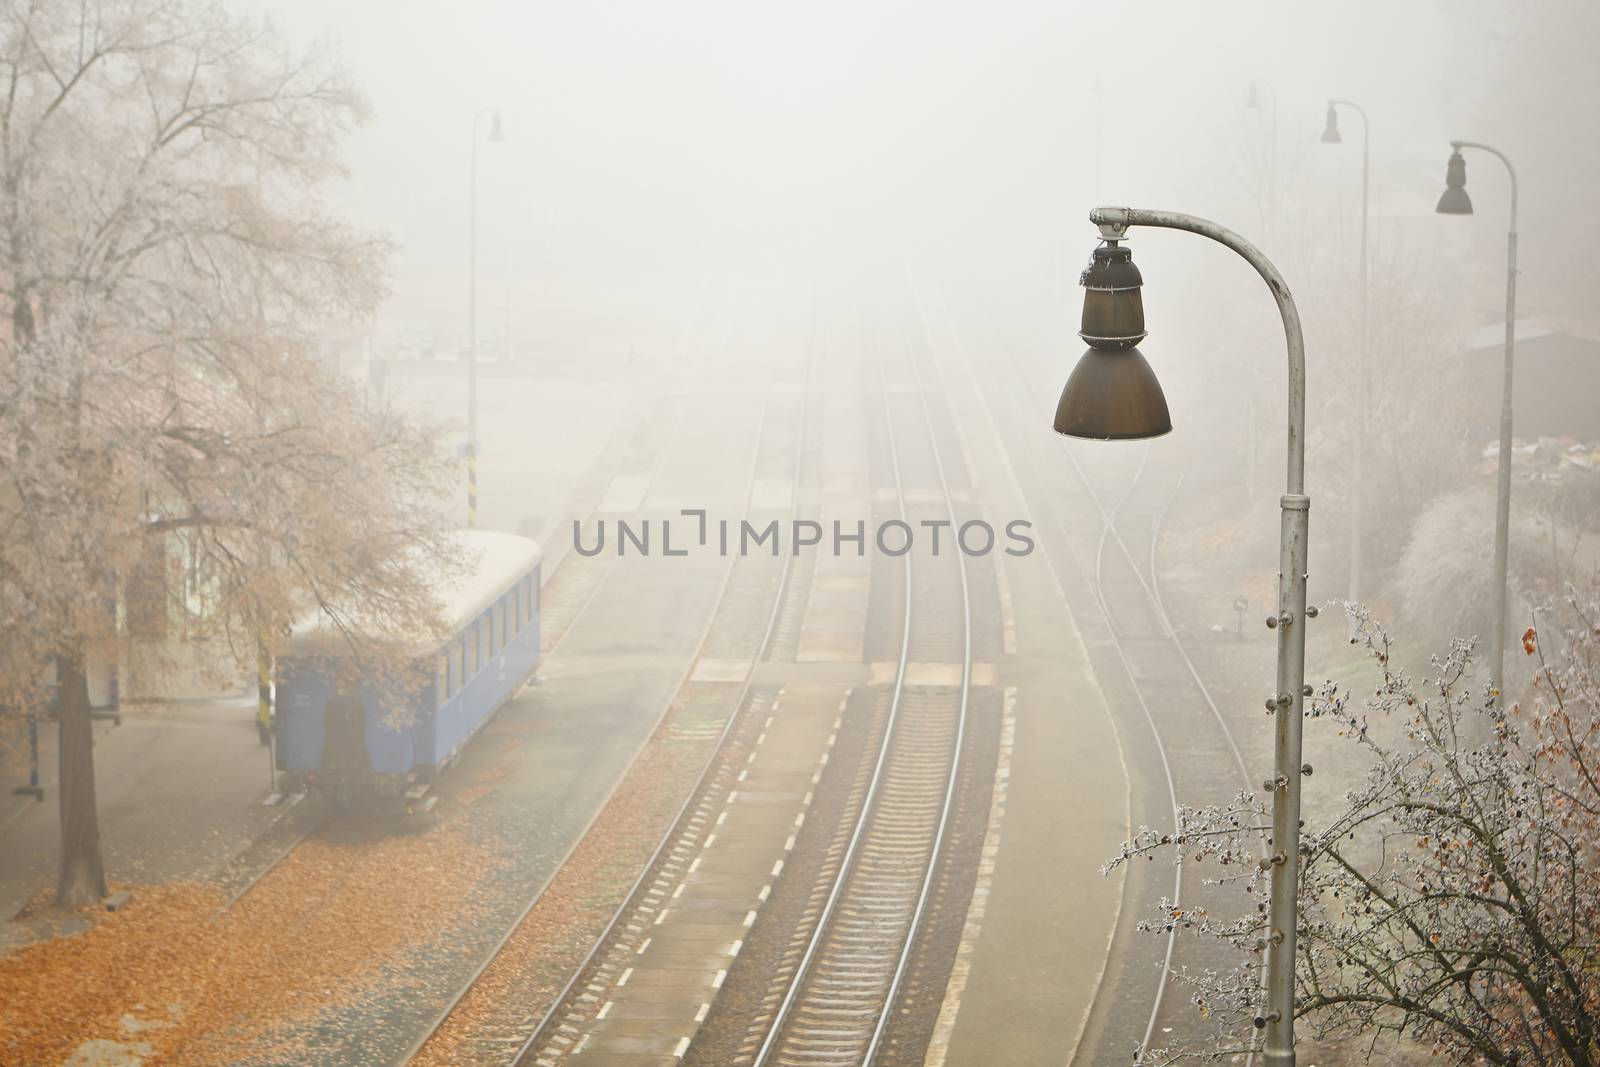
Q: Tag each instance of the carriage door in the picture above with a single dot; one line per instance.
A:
(344, 740)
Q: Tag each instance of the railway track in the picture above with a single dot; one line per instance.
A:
(836, 1006)
(545, 1032)
(1185, 731)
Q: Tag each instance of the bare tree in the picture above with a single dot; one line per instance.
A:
(1452, 903)
(167, 262)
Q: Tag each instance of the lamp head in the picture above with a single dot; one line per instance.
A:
(1455, 200)
(1251, 101)
(496, 133)
(1330, 131)
(1112, 393)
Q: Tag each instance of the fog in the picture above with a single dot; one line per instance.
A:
(655, 155)
(393, 789)
(647, 143)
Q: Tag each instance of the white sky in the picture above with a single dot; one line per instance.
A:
(648, 142)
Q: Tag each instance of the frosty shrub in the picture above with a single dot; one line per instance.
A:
(1451, 902)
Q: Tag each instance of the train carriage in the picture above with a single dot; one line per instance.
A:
(340, 733)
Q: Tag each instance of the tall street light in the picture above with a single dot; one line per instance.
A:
(1113, 395)
(1456, 202)
(496, 135)
(1252, 102)
(1330, 135)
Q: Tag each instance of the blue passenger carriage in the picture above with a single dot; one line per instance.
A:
(341, 733)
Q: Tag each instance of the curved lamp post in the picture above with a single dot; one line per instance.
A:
(496, 135)
(1455, 201)
(1113, 394)
(1330, 135)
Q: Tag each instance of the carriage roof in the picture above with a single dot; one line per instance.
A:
(493, 561)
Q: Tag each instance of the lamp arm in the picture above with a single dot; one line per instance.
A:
(1114, 223)
(1510, 171)
(1357, 108)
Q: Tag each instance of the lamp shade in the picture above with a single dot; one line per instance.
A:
(1330, 131)
(1455, 200)
(1112, 396)
(496, 133)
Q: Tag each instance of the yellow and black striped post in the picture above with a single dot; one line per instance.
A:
(263, 692)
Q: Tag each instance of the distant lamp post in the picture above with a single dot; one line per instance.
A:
(1113, 394)
(1330, 135)
(1455, 201)
(1252, 102)
(496, 136)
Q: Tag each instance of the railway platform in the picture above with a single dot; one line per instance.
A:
(653, 1012)
(179, 788)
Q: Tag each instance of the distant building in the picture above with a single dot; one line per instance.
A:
(1556, 391)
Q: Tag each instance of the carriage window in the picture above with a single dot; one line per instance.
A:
(471, 640)
(441, 679)
(484, 626)
(458, 672)
(500, 625)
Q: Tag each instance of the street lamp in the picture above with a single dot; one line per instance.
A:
(496, 135)
(1252, 102)
(1455, 201)
(1112, 394)
(1330, 135)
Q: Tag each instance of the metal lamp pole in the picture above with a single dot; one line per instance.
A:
(1330, 135)
(495, 136)
(1455, 202)
(1288, 703)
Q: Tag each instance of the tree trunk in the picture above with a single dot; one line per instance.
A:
(83, 876)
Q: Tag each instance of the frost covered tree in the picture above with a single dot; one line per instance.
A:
(1451, 903)
(166, 260)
